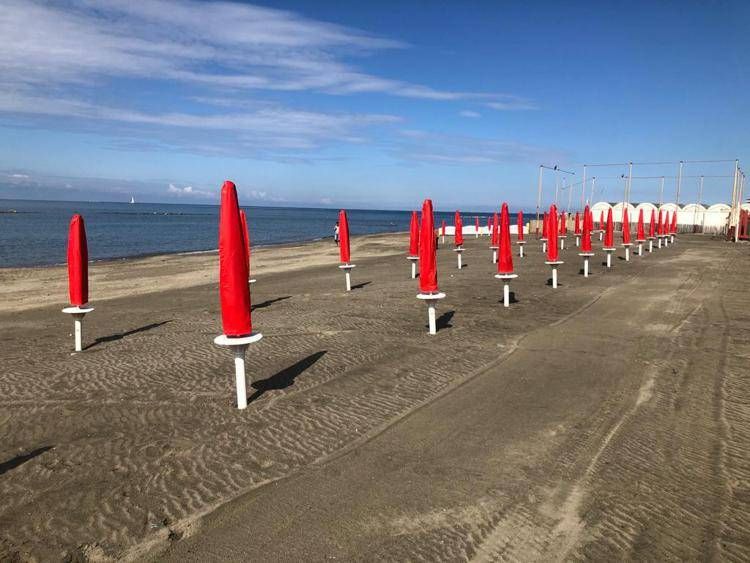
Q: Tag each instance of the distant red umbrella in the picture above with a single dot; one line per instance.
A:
(505, 263)
(442, 228)
(458, 234)
(564, 224)
(476, 224)
(609, 232)
(427, 251)
(344, 251)
(625, 227)
(234, 292)
(673, 229)
(660, 224)
(640, 233)
(489, 224)
(414, 235)
(601, 220)
(652, 225)
(520, 225)
(246, 234)
(78, 262)
(578, 224)
(495, 241)
(586, 237)
(552, 250)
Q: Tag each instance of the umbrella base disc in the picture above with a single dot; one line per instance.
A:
(225, 340)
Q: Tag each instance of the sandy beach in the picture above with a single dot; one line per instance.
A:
(607, 419)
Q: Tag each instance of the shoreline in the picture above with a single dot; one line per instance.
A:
(31, 287)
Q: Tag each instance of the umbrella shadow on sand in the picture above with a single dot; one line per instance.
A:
(285, 378)
(22, 458)
(121, 335)
(269, 302)
(444, 320)
(361, 285)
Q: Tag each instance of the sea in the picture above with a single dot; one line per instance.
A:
(34, 233)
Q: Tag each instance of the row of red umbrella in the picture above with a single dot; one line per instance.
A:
(664, 225)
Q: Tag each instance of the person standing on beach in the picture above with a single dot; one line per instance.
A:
(336, 233)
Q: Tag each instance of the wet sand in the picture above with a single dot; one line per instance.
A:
(607, 419)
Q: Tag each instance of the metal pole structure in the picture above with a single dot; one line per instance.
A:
(700, 196)
(583, 189)
(679, 184)
(539, 193)
(734, 193)
(661, 192)
(570, 198)
(593, 187)
(557, 185)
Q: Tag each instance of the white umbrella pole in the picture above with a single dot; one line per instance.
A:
(78, 313)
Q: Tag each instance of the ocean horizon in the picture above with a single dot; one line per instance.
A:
(34, 232)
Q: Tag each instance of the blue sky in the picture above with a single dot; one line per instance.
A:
(376, 104)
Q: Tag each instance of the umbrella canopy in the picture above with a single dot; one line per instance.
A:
(578, 223)
(652, 225)
(495, 240)
(442, 227)
(601, 220)
(414, 235)
(427, 251)
(520, 225)
(552, 250)
(673, 229)
(660, 224)
(505, 263)
(458, 234)
(609, 231)
(246, 235)
(586, 237)
(625, 227)
(640, 233)
(563, 223)
(476, 223)
(78, 262)
(234, 292)
(344, 252)
(489, 224)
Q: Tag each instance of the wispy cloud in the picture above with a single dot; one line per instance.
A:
(469, 113)
(440, 148)
(189, 191)
(207, 59)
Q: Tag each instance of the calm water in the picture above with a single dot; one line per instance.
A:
(36, 234)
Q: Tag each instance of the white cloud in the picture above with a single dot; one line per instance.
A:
(469, 113)
(188, 191)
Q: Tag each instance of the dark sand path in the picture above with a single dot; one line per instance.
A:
(619, 430)
(607, 419)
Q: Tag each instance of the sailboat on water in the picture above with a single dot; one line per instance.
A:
(132, 199)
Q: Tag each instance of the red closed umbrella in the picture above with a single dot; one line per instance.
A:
(652, 225)
(563, 223)
(495, 230)
(625, 227)
(660, 224)
(552, 250)
(344, 251)
(601, 220)
(489, 224)
(414, 235)
(442, 228)
(640, 233)
(476, 224)
(458, 234)
(609, 232)
(427, 251)
(78, 262)
(520, 225)
(234, 292)
(673, 230)
(505, 263)
(578, 224)
(586, 237)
